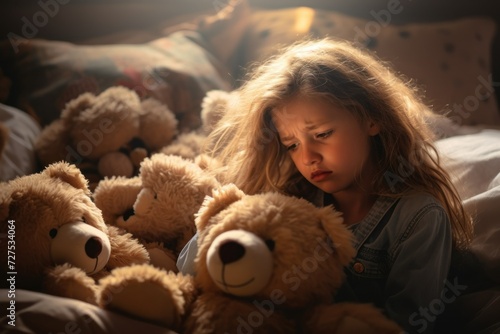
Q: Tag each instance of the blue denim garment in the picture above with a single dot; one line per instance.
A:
(403, 258)
(404, 248)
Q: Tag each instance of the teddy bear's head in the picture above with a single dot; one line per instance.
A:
(271, 246)
(49, 219)
(190, 145)
(110, 133)
(160, 204)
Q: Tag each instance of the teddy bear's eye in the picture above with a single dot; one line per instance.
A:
(53, 233)
(270, 244)
(83, 219)
(156, 196)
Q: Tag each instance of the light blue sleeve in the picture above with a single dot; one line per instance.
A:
(185, 261)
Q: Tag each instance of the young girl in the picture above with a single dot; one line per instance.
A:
(328, 122)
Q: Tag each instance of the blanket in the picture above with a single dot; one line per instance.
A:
(473, 161)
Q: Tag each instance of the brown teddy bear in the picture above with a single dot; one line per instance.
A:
(190, 145)
(58, 241)
(159, 205)
(266, 263)
(108, 134)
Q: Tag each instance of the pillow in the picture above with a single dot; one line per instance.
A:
(17, 157)
(450, 61)
(177, 70)
(36, 312)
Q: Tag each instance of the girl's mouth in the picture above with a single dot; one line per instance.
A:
(319, 175)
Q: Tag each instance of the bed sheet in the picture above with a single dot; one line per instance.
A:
(473, 161)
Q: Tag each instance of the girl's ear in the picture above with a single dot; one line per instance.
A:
(373, 128)
(221, 199)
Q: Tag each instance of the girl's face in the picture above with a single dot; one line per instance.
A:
(327, 144)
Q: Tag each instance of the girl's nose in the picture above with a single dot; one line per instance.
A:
(309, 155)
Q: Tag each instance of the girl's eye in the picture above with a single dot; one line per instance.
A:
(291, 148)
(324, 135)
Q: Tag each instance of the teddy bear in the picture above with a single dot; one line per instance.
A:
(158, 206)
(266, 263)
(107, 134)
(56, 239)
(190, 145)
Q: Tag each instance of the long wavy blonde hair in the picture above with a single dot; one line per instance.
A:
(248, 146)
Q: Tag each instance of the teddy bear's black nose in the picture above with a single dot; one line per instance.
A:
(93, 247)
(127, 214)
(231, 251)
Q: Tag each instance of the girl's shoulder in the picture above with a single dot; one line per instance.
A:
(418, 209)
(421, 201)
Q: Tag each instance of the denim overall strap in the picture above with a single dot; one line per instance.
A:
(364, 228)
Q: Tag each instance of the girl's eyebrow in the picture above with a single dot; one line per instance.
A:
(286, 138)
(309, 127)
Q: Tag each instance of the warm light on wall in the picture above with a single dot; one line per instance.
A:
(304, 19)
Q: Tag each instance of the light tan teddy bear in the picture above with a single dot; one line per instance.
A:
(190, 145)
(108, 134)
(159, 205)
(58, 241)
(266, 263)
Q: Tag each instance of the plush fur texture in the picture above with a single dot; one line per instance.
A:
(192, 144)
(308, 247)
(187, 145)
(159, 205)
(44, 209)
(108, 134)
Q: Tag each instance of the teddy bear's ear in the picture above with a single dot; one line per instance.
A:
(53, 143)
(76, 106)
(68, 173)
(213, 108)
(340, 237)
(221, 199)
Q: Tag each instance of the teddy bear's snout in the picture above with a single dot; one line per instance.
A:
(129, 213)
(240, 262)
(81, 245)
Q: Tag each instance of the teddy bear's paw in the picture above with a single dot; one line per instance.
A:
(71, 282)
(144, 292)
(347, 318)
(161, 257)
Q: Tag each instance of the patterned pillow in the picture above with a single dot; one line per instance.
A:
(177, 70)
(450, 60)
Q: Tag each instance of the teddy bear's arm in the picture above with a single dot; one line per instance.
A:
(215, 313)
(125, 249)
(347, 318)
(71, 282)
(161, 257)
